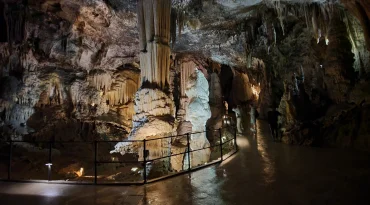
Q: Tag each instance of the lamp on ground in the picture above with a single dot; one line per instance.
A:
(49, 164)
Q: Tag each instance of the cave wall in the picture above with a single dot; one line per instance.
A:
(312, 70)
(315, 58)
(79, 62)
(70, 61)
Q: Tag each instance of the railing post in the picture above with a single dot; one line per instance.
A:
(10, 159)
(236, 145)
(220, 133)
(95, 162)
(144, 156)
(188, 139)
(50, 163)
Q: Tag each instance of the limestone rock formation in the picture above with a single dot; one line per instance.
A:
(198, 113)
(154, 31)
(216, 106)
(65, 57)
(73, 66)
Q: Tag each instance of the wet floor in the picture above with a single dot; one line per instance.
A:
(262, 172)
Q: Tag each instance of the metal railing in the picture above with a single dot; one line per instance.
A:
(220, 149)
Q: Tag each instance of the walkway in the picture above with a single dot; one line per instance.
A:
(262, 172)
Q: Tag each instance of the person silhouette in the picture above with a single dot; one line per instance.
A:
(273, 121)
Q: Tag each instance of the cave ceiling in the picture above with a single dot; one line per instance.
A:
(108, 30)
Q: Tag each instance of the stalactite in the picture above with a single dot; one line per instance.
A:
(154, 24)
(180, 20)
(306, 15)
(274, 35)
(186, 69)
(3, 27)
(270, 32)
(320, 14)
(279, 10)
(302, 73)
(122, 92)
(249, 60)
(102, 81)
(15, 22)
(357, 40)
(173, 26)
(314, 25)
(141, 25)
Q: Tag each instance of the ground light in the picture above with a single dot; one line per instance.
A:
(49, 169)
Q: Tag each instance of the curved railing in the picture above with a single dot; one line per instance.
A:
(89, 162)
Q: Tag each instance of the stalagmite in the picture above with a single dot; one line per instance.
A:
(238, 113)
(198, 113)
(216, 105)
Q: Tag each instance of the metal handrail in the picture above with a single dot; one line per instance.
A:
(113, 141)
(144, 161)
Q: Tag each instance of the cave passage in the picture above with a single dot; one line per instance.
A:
(134, 91)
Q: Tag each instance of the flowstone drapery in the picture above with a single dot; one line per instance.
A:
(154, 34)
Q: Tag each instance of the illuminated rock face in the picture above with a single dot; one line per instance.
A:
(186, 69)
(78, 60)
(198, 113)
(241, 89)
(67, 62)
(216, 106)
(154, 108)
(151, 102)
(238, 114)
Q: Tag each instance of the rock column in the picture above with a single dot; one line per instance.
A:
(154, 108)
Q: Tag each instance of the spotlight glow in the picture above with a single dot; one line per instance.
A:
(327, 41)
(80, 172)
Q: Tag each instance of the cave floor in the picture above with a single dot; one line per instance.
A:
(262, 172)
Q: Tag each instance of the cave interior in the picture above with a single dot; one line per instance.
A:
(114, 70)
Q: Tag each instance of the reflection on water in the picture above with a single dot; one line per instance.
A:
(200, 187)
(226, 161)
(268, 166)
(206, 186)
(243, 142)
